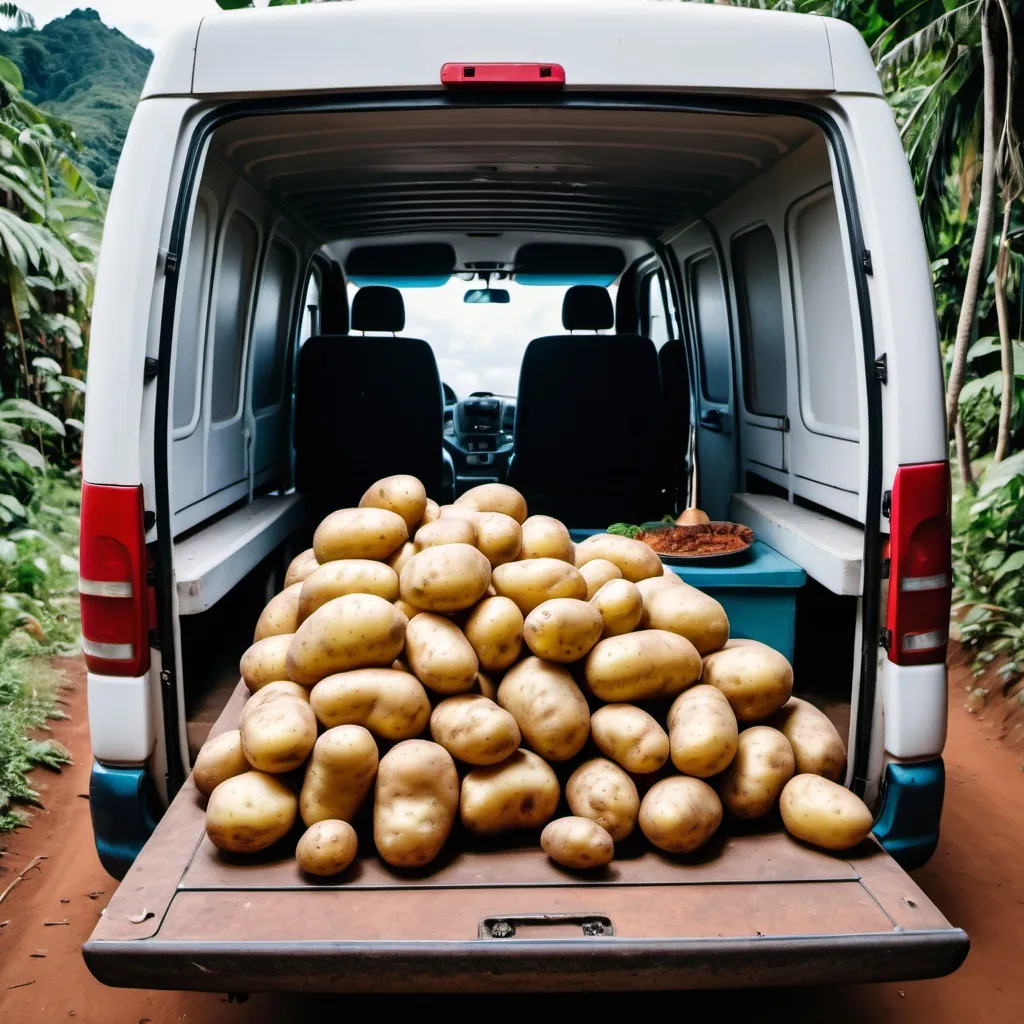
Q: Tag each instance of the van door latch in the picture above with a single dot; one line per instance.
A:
(882, 368)
(171, 261)
(534, 926)
(866, 263)
(887, 504)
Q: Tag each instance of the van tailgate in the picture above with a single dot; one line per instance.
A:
(751, 910)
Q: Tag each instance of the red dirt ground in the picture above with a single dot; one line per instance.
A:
(974, 878)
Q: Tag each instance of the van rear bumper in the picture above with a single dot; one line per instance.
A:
(125, 811)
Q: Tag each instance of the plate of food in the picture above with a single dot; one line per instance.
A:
(691, 538)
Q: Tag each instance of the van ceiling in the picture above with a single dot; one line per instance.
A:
(614, 173)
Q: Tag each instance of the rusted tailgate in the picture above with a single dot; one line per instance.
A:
(756, 909)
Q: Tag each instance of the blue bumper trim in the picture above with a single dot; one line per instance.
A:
(125, 809)
(908, 823)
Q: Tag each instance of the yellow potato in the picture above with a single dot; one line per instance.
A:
(359, 533)
(817, 745)
(601, 791)
(680, 814)
(486, 688)
(346, 576)
(597, 573)
(620, 606)
(448, 578)
(762, 766)
(250, 812)
(824, 813)
(535, 580)
(415, 803)
(689, 612)
(702, 732)
(402, 494)
(432, 512)
(278, 735)
(391, 703)
(340, 773)
(266, 661)
(473, 729)
(446, 530)
(551, 712)
(546, 537)
(755, 679)
(495, 498)
(281, 614)
(300, 567)
(273, 691)
(406, 609)
(495, 629)
(641, 666)
(401, 556)
(354, 631)
(629, 736)
(221, 758)
(499, 537)
(577, 843)
(562, 629)
(327, 848)
(520, 792)
(439, 654)
(636, 561)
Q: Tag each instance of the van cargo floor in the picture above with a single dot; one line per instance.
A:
(750, 909)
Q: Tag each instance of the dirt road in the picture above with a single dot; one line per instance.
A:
(974, 878)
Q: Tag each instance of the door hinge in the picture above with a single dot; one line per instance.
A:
(150, 369)
(171, 261)
(887, 504)
(865, 262)
(885, 638)
(882, 368)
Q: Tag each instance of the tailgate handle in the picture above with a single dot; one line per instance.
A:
(591, 925)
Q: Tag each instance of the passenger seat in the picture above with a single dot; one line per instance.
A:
(675, 383)
(590, 432)
(366, 407)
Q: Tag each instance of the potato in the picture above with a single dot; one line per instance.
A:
(402, 494)
(448, 578)
(545, 537)
(680, 814)
(346, 576)
(278, 735)
(406, 609)
(630, 737)
(430, 513)
(641, 666)
(300, 567)
(692, 517)
(485, 687)
(520, 792)
(391, 703)
(354, 631)
(597, 573)
(280, 615)
(689, 612)
(601, 791)
(636, 561)
(535, 580)
(446, 530)
(250, 812)
(439, 654)
(824, 813)
(220, 758)
(755, 679)
(401, 556)
(359, 533)
(817, 745)
(763, 764)
(266, 661)
(272, 691)
(495, 498)
(702, 732)
(340, 773)
(473, 729)
(499, 537)
(415, 803)
(551, 712)
(620, 606)
(495, 629)
(562, 629)
(577, 843)
(327, 848)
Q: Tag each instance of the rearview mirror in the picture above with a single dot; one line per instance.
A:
(484, 296)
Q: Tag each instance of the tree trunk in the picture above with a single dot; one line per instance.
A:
(1005, 344)
(979, 250)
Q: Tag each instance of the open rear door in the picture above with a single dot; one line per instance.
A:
(750, 910)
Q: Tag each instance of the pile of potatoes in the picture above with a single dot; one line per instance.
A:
(526, 659)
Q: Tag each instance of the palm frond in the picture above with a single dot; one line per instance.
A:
(953, 28)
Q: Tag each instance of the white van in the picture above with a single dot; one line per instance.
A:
(717, 293)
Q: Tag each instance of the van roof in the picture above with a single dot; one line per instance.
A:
(619, 44)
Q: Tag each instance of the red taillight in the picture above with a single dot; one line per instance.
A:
(920, 565)
(537, 76)
(112, 587)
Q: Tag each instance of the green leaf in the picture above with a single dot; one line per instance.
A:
(47, 365)
(1012, 564)
(9, 501)
(992, 382)
(74, 383)
(69, 564)
(29, 455)
(8, 551)
(982, 347)
(11, 75)
(1002, 473)
(22, 409)
(233, 5)
(75, 424)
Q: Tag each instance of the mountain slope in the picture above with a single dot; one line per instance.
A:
(87, 73)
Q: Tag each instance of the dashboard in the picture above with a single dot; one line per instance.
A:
(478, 434)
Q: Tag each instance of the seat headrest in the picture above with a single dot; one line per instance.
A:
(587, 307)
(378, 308)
